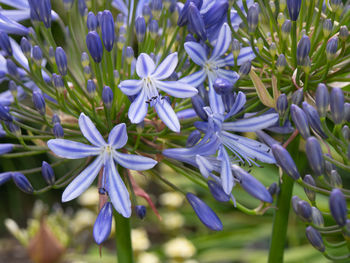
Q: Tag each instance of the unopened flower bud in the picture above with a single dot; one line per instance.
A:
(193, 138)
(26, 47)
(337, 205)
(306, 65)
(283, 5)
(273, 189)
(245, 68)
(260, 44)
(22, 183)
(280, 19)
(13, 88)
(335, 5)
(103, 223)
(48, 173)
(327, 28)
(298, 97)
(346, 132)
(94, 45)
(315, 238)
(121, 41)
(281, 63)
(4, 114)
(57, 130)
(322, 99)
(198, 105)
(308, 179)
(337, 105)
(37, 55)
(14, 129)
(282, 105)
(295, 201)
(146, 12)
(253, 18)
(57, 82)
(347, 111)
(5, 43)
(141, 211)
(107, 30)
(153, 29)
(331, 48)
(129, 54)
(343, 33)
(236, 48)
(273, 49)
(303, 49)
(313, 119)
(300, 121)
(286, 28)
(317, 217)
(116, 76)
(272, 6)
(156, 8)
(87, 72)
(304, 211)
(218, 192)
(140, 28)
(91, 21)
(335, 179)
(314, 155)
(285, 161)
(39, 102)
(107, 96)
(293, 9)
(196, 22)
(61, 61)
(55, 119)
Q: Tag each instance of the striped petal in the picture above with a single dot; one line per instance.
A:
(145, 65)
(246, 54)
(205, 167)
(89, 131)
(134, 162)
(196, 52)
(12, 27)
(215, 100)
(16, 15)
(167, 67)
(118, 136)
(20, 4)
(251, 124)
(138, 109)
(71, 149)
(82, 181)
(230, 75)
(177, 89)
(223, 42)
(226, 172)
(195, 79)
(238, 104)
(117, 191)
(130, 87)
(167, 115)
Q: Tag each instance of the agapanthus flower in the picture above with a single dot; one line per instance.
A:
(219, 140)
(146, 88)
(107, 157)
(214, 66)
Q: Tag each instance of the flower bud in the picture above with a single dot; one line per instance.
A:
(4, 177)
(317, 217)
(293, 9)
(153, 29)
(304, 211)
(196, 23)
(280, 19)
(116, 76)
(121, 41)
(331, 48)
(260, 44)
(303, 49)
(91, 21)
(103, 223)
(120, 20)
(129, 54)
(94, 45)
(107, 96)
(347, 112)
(67, 4)
(313, 119)
(57, 82)
(140, 28)
(286, 28)
(295, 201)
(141, 211)
(48, 173)
(281, 63)
(335, 5)
(315, 238)
(156, 8)
(273, 49)
(84, 59)
(314, 155)
(282, 105)
(223, 86)
(273, 189)
(39, 101)
(183, 16)
(265, 138)
(107, 30)
(57, 130)
(37, 55)
(61, 61)
(327, 28)
(306, 65)
(300, 121)
(13, 88)
(253, 18)
(337, 205)
(343, 33)
(218, 192)
(322, 99)
(298, 97)
(245, 68)
(14, 129)
(216, 14)
(87, 72)
(22, 183)
(337, 105)
(285, 161)
(198, 105)
(310, 193)
(193, 138)
(5, 43)
(4, 114)
(345, 131)
(26, 47)
(335, 179)
(206, 215)
(236, 48)
(55, 119)
(146, 12)
(82, 7)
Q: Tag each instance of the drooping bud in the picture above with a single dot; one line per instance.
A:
(337, 105)
(193, 138)
(91, 21)
(57, 130)
(327, 27)
(337, 205)
(304, 211)
(315, 238)
(94, 45)
(5, 43)
(285, 161)
(295, 201)
(281, 63)
(253, 18)
(218, 192)
(313, 119)
(303, 49)
(107, 96)
(222, 86)
(300, 121)
(282, 105)
(61, 61)
(141, 211)
(140, 28)
(48, 173)
(107, 30)
(26, 47)
(310, 193)
(293, 9)
(205, 214)
(14, 129)
(39, 101)
(103, 223)
(317, 217)
(22, 183)
(331, 48)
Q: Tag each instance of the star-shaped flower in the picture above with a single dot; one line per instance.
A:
(107, 158)
(152, 79)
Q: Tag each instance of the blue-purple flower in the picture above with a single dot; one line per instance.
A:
(107, 157)
(146, 88)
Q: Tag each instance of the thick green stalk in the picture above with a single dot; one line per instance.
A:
(123, 238)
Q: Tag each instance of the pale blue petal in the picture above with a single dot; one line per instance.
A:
(12, 27)
(145, 65)
(186, 114)
(238, 104)
(177, 89)
(118, 136)
(251, 124)
(130, 87)
(117, 191)
(215, 100)
(167, 115)
(167, 67)
(196, 52)
(20, 4)
(246, 54)
(205, 167)
(195, 79)
(16, 15)
(230, 75)
(138, 109)
(89, 131)
(236, 20)
(226, 172)
(18, 54)
(71, 149)
(134, 162)
(82, 181)
(226, 61)
(5, 148)
(121, 6)
(223, 42)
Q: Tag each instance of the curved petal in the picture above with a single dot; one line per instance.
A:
(16, 15)
(223, 42)
(144, 65)
(215, 100)
(71, 149)
(117, 191)
(167, 115)
(177, 89)
(118, 136)
(12, 27)
(196, 52)
(130, 87)
(20, 4)
(251, 124)
(167, 67)
(230, 75)
(138, 109)
(195, 79)
(82, 181)
(89, 131)
(204, 165)
(238, 104)
(18, 53)
(134, 162)
(245, 55)
(226, 172)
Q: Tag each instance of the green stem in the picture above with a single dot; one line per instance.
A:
(123, 238)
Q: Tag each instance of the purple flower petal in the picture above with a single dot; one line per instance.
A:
(138, 109)
(167, 67)
(167, 115)
(145, 65)
(118, 136)
(130, 87)
(89, 131)
(71, 149)
(196, 52)
(134, 162)
(177, 89)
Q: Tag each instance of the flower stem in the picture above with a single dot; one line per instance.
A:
(123, 238)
